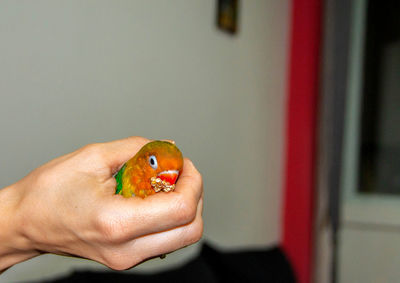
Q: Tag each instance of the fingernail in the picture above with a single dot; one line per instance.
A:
(171, 141)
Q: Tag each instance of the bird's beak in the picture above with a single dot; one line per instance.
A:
(169, 176)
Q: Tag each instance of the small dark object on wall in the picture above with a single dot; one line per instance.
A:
(227, 15)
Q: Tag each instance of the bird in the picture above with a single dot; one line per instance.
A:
(155, 167)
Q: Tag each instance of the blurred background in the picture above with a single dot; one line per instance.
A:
(290, 109)
(78, 72)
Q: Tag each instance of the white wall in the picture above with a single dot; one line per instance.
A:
(76, 72)
(369, 254)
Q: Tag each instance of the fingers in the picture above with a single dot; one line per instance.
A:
(171, 240)
(149, 246)
(159, 212)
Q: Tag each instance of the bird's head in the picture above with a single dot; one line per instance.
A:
(163, 164)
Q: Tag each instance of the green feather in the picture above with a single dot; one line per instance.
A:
(118, 177)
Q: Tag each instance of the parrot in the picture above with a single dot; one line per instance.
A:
(155, 167)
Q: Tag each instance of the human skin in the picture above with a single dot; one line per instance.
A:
(69, 207)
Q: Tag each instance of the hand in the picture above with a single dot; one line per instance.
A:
(69, 207)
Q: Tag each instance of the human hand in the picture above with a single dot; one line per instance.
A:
(69, 207)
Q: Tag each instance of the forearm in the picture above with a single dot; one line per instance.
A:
(14, 246)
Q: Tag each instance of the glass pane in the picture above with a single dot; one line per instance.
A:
(380, 122)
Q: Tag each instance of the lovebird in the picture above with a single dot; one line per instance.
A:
(155, 167)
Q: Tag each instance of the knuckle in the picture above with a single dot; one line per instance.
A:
(186, 211)
(45, 178)
(94, 152)
(196, 175)
(199, 178)
(118, 260)
(195, 232)
(94, 149)
(118, 266)
(189, 161)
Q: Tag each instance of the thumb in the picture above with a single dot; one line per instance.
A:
(119, 151)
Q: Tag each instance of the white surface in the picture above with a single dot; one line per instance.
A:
(368, 256)
(76, 72)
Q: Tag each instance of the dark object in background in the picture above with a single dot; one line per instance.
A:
(379, 150)
(227, 15)
(269, 265)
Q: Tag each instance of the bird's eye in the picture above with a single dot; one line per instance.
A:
(153, 162)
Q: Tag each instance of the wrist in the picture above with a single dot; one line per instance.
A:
(14, 245)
